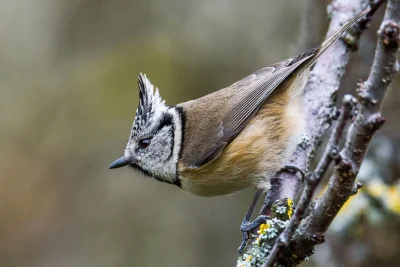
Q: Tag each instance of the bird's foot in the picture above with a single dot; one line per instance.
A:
(294, 169)
(247, 228)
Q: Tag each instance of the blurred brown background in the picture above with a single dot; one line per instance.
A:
(68, 95)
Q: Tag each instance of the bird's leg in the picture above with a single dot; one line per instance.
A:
(247, 227)
(276, 187)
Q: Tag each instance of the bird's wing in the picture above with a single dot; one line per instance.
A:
(216, 119)
(254, 90)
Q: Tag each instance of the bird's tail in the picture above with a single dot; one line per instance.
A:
(332, 38)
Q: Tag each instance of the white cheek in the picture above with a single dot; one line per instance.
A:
(157, 159)
(161, 158)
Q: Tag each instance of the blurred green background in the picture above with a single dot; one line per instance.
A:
(68, 95)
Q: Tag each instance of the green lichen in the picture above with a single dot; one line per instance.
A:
(260, 248)
(304, 141)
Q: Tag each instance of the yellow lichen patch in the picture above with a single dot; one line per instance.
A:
(290, 207)
(263, 228)
(267, 233)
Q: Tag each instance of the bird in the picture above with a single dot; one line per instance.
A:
(228, 140)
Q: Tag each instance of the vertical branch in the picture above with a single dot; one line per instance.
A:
(370, 94)
(313, 179)
(320, 92)
(319, 114)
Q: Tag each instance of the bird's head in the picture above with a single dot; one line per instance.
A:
(155, 141)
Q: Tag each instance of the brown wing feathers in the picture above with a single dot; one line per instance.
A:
(242, 100)
(247, 104)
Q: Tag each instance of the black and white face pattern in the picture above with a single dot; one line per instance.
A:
(156, 137)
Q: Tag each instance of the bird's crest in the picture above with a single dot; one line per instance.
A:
(151, 105)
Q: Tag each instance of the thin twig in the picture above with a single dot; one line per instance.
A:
(331, 153)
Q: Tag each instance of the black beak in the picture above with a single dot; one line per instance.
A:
(121, 162)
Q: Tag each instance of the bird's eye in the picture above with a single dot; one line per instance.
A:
(144, 143)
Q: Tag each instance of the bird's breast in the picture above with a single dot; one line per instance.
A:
(256, 154)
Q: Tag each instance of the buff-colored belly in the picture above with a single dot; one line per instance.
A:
(256, 154)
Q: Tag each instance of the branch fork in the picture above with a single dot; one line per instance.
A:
(298, 238)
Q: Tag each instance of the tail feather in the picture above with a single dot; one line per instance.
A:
(331, 39)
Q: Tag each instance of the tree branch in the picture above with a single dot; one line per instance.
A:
(370, 94)
(319, 95)
(312, 180)
(319, 113)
